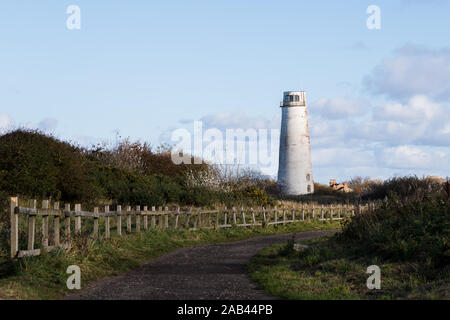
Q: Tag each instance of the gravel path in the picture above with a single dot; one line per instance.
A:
(216, 271)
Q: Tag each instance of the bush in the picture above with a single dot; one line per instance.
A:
(410, 225)
(36, 165)
(406, 189)
(40, 166)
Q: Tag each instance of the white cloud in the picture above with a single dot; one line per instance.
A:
(6, 122)
(48, 124)
(418, 109)
(342, 157)
(412, 70)
(411, 157)
(237, 119)
(339, 108)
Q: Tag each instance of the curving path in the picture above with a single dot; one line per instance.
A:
(216, 271)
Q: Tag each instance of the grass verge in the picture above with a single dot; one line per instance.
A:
(45, 277)
(329, 270)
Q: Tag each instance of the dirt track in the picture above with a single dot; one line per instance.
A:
(203, 272)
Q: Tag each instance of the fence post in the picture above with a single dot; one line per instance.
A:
(225, 216)
(313, 212)
(153, 217)
(14, 202)
(284, 214)
(77, 219)
(331, 213)
(129, 219)
(67, 219)
(216, 224)
(234, 215)
(303, 211)
(160, 217)
(253, 216)
(145, 218)
(275, 214)
(166, 218)
(243, 215)
(264, 216)
(195, 221)
(339, 211)
(31, 225)
(177, 215)
(107, 223)
(56, 226)
(119, 219)
(45, 225)
(188, 219)
(95, 234)
(138, 218)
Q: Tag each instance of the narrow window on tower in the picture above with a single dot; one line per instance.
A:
(291, 98)
(297, 98)
(309, 188)
(308, 177)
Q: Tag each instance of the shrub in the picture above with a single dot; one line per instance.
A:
(410, 225)
(38, 165)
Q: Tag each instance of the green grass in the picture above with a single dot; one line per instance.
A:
(44, 277)
(328, 270)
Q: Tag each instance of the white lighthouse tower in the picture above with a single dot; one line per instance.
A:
(294, 168)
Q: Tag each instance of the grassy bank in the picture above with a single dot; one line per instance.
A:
(44, 277)
(407, 237)
(328, 270)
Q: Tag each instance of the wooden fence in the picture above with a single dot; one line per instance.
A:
(146, 218)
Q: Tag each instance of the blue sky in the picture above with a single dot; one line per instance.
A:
(378, 99)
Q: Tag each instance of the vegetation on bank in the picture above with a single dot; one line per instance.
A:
(39, 166)
(408, 235)
(44, 277)
(408, 238)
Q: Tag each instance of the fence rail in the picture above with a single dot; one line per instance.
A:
(146, 218)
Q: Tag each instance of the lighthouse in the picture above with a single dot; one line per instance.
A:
(295, 168)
